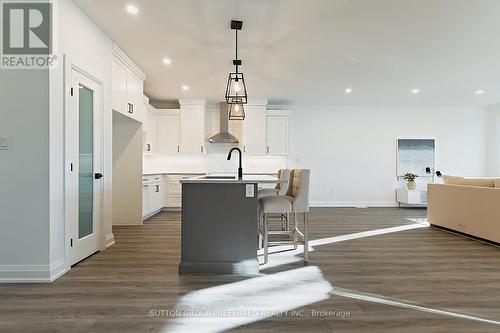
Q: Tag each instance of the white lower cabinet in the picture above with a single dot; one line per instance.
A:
(173, 195)
(152, 195)
(145, 199)
(162, 191)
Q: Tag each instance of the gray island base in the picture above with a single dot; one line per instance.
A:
(219, 225)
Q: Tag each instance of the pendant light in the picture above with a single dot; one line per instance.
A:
(236, 111)
(236, 91)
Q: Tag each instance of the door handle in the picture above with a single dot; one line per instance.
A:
(98, 176)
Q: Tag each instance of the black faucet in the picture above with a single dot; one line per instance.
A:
(240, 169)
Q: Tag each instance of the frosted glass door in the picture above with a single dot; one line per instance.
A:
(83, 184)
(86, 162)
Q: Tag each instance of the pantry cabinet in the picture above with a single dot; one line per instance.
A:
(127, 85)
(150, 129)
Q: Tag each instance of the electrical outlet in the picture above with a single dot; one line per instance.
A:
(250, 190)
(4, 143)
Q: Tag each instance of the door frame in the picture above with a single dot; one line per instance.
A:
(69, 66)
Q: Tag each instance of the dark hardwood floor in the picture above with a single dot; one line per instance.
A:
(408, 279)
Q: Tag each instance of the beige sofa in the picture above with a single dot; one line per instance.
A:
(469, 206)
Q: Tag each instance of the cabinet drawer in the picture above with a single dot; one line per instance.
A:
(157, 178)
(149, 179)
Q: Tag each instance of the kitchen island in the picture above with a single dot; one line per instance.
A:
(219, 224)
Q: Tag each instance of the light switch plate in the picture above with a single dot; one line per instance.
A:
(250, 190)
(4, 143)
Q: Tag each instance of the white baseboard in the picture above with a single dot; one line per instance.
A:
(32, 273)
(172, 209)
(147, 216)
(355, 204)
(110, 240)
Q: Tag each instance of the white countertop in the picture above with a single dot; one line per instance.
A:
(259, 179)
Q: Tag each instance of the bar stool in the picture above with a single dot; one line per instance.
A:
(296, 201)
(279, 189)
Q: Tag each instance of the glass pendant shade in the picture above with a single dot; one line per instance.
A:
(236, 111)
(236, 91)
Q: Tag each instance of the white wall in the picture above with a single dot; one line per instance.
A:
(493, 139)
(31, 211)
(127, 170)
(352, 151)
(89, 48)
(24, 171)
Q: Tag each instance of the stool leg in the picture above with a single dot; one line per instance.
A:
(306, 238)
(296, 227)
(266, 240)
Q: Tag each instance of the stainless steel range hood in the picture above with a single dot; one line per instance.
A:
(223, 136)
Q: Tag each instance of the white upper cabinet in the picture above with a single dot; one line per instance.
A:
(135, 103)
(150, 129)
(119, 86)
(127, 86)
(182, 132)
(277, 134)
(254, 129)
(192, 133)
(168, 132)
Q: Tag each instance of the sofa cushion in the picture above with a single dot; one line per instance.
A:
(452, 180)
(482, 182)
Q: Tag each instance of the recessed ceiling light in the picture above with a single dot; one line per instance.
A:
(185, 87)
(480, 92)
(167, 61)
(348, 90)
(131, 9)
(415, 91)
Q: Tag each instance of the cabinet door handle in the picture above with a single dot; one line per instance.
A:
(130, 108)
(201, 148)
(157, 188)
(178, 149)
(148, 147)
(268, 149)
(145, 186)
(244, 149)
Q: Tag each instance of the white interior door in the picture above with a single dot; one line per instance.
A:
(83, 155)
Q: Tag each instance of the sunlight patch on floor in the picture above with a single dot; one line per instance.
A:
(407, 305)
(282, 255)
(421, 220)
(231, 305)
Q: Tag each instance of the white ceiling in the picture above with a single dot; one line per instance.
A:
(309, 51)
